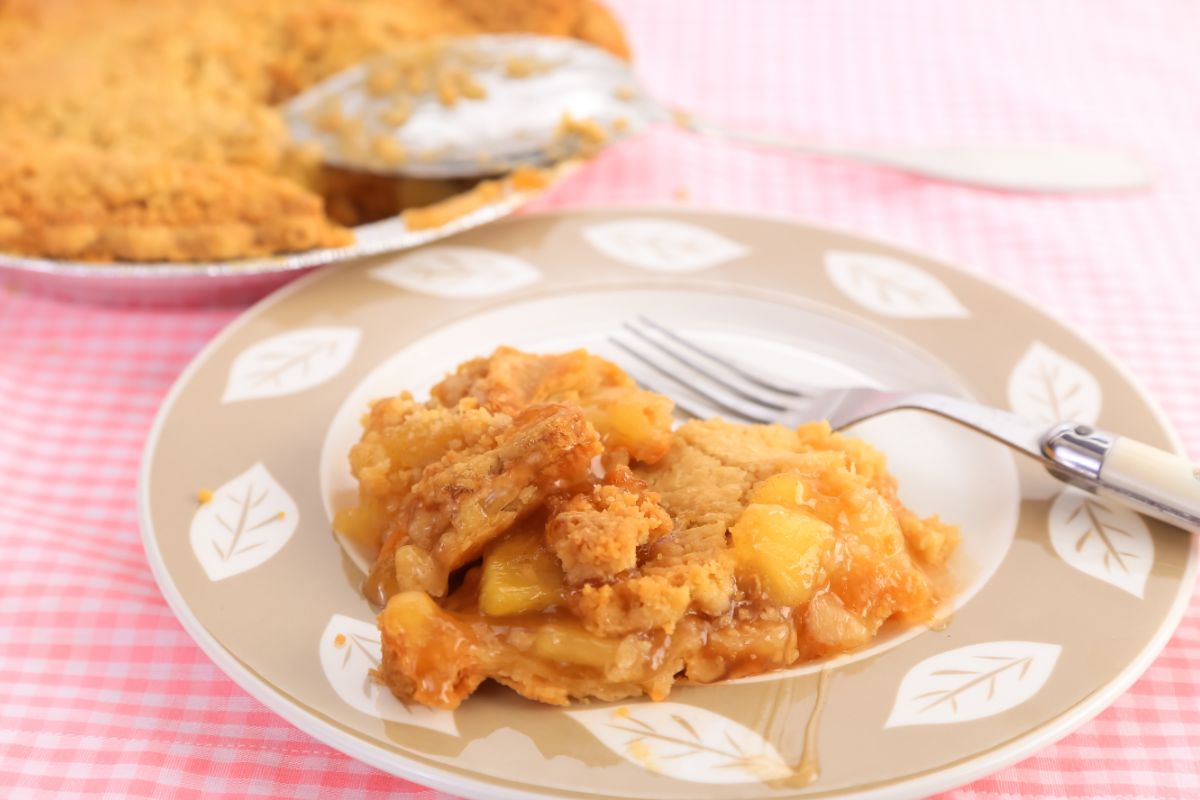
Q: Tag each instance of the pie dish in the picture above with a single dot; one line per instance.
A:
(265, 417)
(149, 134)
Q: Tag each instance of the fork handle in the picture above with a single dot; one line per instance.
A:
(1155, 482)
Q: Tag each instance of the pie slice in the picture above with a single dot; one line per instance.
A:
(524, 546)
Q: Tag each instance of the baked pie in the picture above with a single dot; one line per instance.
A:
(538, 522)
(147, 131)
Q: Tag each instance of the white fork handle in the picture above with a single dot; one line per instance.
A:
(1155, 482)
(1025, 168)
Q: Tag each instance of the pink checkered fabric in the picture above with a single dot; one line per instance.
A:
(103, 694)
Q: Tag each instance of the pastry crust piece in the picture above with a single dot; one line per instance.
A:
(629, 418)
(469, 496)
(596, 535)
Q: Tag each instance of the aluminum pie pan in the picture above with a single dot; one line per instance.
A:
(237, 282)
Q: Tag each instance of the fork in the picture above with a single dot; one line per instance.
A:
(705, 384)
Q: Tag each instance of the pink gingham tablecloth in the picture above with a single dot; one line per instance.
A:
(103, 694)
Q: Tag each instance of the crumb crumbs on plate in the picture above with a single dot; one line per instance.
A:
(398, 113)
(520, 180)
(388, 150)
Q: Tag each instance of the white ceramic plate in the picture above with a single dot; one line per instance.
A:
(1063, 600)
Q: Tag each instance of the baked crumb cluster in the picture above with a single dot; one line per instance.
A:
(397, 78)
(539, 523)
(449, 72)
(147, 130)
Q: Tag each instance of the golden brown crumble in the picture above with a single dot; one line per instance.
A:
(597, 535)
(522, 544)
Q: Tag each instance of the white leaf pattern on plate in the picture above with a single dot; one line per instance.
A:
(350, 650)
(458, 272)
(685, 742)
(1105, 541)
(662, 245)
(247, 521)
(972, 682)
(1049, 387)
(290, 362)
(891, 287)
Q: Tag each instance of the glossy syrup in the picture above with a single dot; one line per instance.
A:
(808, 769)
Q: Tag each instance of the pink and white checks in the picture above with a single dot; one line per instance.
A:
(101, 692)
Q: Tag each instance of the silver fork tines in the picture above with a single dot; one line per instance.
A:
(713, 385)
(1156, 482)
(663, 383)
(759, 382)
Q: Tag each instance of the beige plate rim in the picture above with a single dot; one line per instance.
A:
(446, 780)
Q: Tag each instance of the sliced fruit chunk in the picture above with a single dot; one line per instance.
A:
(785, 548)
(570, 643)
(520, 576)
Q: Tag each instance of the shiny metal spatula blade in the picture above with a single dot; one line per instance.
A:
(515, 119)
(518, 120)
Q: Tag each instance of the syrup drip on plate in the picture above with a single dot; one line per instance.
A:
(808, 770)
